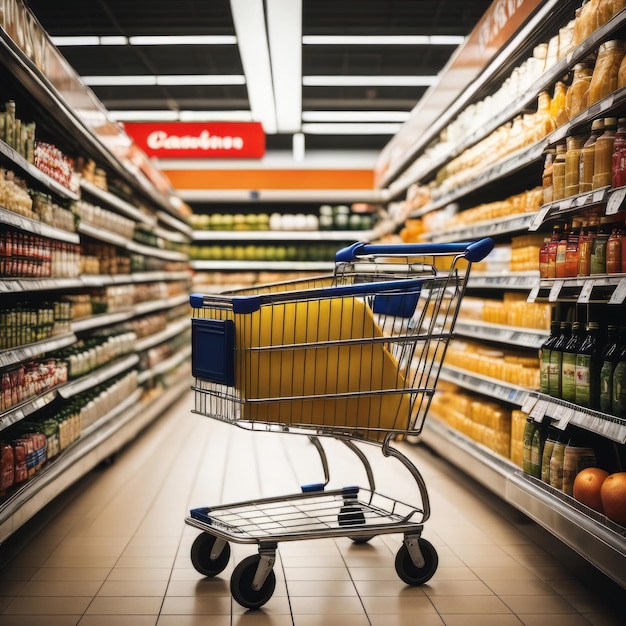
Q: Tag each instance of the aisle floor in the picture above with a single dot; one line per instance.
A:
(114, 549)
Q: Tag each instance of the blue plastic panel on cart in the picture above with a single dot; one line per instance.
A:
(213, 350)
(397, 304)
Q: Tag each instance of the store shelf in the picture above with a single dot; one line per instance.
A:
(25, 353)
(173, 330)
(570, 205)
(603, 288)
(283, 235)
(260, 266)
(156, 305)
(98, 376)
(599, 541)
(9, 218)
(539, 406)
(182, 356)
(99, 321)
(499, 280)
(491, 387)
(491, 228)
(114, 202)
(510, 335)
(22, 411)
(175, 223)
(18, 285)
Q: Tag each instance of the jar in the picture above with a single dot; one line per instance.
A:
(571, 252)
(557, 106)
(585, 244)
(618, 166)
(614, 252)
(605, 73)
(597, 263)
(621, 74)
(561, 250)
(585, 22)
(603, 155)
(572, 163)
(576, 100)
(558, 173)
(547, 186)
(585, 179)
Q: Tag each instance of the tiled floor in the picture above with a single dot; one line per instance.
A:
(114, 550)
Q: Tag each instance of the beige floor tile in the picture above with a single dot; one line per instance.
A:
(314, 561)
(541, 619)
(326, 606)
(147, 562)
(488, 574)
(36, 620)
(448, 605)
(202, 587)
(17, 573)
(11, 587)
(520, 587)
(328, 620)
(489, 560)
(604, 619)
(155, 549)
(193, 620)
(259, 618)
(71, 574)
(140, 588)
(139, 573)
(115, 620)
(387, 588)
(61, 588)
(196, 605)
(477, 619)
(538, 604)
(454, 573)
(406, 620)
(277, 606)
(47, 605)
(122, 605)
(373, 573)
(457, 588)
(414, 605)
(317, 573)
(80, 561)
(318, 588)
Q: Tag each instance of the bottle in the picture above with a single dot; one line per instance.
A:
(558, 173)
(556, 464)
(597, 262)
(548, 448)
(544, 356)
(585, 178)
(557, 105)
(605, 72)
(588, 369)
(574, 144)
(575, 458)
(561, 250)
(553, 246)
(543, 259)
(618, 160)
(556, 354)
(614, 251)
(603, 155)
(571, 251)
(536, 452)
(529, 431)
(568, 363)
(618, 398)
(585, 244)
(609, 363)
(576, 100)
(547, 177)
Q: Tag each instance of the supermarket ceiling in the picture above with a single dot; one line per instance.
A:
(334, 74)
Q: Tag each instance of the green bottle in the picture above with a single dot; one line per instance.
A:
(618, 401)
(588, 370)
(536, 452)
(611, 358)
(556, 353)
(548, 447)
(529, 432)
(544, 362)
(568, 363)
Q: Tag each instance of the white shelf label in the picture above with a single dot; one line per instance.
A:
(537, 221)
(532, 296)
(529, 403)
(619, 294)
(539, 410)
(555, 290)
(564, 418)
(585, 293)
(615, 201)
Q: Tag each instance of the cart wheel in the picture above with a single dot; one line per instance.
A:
(362, 539)
(201, 555)
(351, 515)
(241, 584)
(412, 575)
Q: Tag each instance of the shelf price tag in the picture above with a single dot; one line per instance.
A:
(616, 200)
(528, 405)
(539, 410)
(555, 290)
(619, 294)
(537, 221)
(564, 418)
(532, 296)
(585, 293)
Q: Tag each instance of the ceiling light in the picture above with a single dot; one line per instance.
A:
(113, 40)
(298, 147)
(284, 19)
(182, 40)
(215, 116)
(368, 81)
(355, 116)
(249, 20)
(105, 81)
(76, 41)
(382, 40)
(351, 129)
(201, 79)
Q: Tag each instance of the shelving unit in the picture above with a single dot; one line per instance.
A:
(152, 211)
(591, 534)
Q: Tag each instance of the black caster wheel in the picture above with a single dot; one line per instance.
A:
(241, 584)
(201, 555)
(412, 575)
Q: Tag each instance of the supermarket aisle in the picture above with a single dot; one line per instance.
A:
(114, 550)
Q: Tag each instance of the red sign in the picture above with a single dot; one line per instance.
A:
(199, 140)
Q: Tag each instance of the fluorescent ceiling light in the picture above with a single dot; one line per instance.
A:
(368, 81)
(167, 115)
(183, 40)
(144, 116)
(355, 116)
(382, 40)
(284, 19)
(350, 129)
(298, 147)
(215, 116)
(113, 40)
(174, 79)
(76, 41)
(249, 20)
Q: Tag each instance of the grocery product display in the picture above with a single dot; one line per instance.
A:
(95, 279)
(538, 165)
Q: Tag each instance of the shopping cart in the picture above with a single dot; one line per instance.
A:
(354, 356)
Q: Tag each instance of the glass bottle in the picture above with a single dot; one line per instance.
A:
(556, 464)
(603, 155)
(585, 178)
(557, 105)
(556, 356)
(572, 164)
(571, 251)
(576, 100)
(614, 251)
(543, 259)
(588, 369)
(558, 173)
(548, 448)
(529, 431)
(605, 73)
(618, 398)
(561, 251)
(618, 160)
(568, 363)
(597, 264)
(553, 245)
(610, 360)
(544, 356)
(585, 244)
(547, 178)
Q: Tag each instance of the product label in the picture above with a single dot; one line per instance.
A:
(544, 368)
(583, 366)
(568, 377)
(554, 374)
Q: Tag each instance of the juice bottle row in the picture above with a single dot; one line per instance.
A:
(586, 365)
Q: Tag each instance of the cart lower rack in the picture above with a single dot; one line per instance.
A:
(354, 356)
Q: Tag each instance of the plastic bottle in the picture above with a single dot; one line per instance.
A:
(588, 368)
(560, 270)
(556, 464)
(571, 251)
(597, 262)
(605, 72)
(610, 360)
(548, 448)
(558, 173)
(576, 99)
(547, 177)
(618, 399)
(603, 155)
(529, 431)
(553, 246)
(536, 452)
(574, 144)
(543, 259)
(585, 245)
(568, 363)
(544, 357)
(614, 251)
(557, 105)
(618, 159)
(556, 354)
(585, 178)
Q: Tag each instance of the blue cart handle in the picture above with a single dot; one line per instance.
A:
(473, 251)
